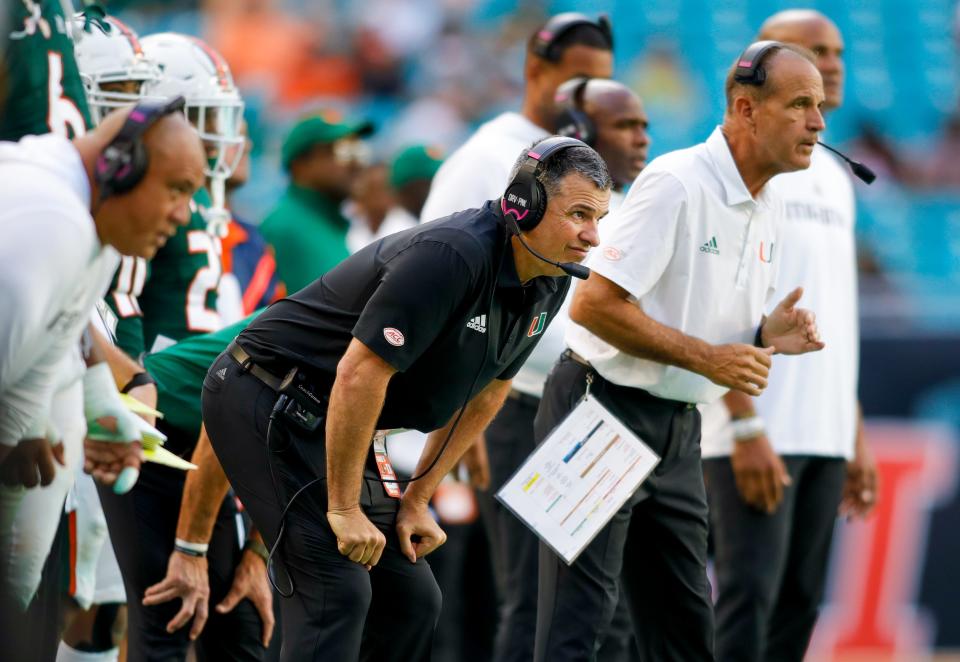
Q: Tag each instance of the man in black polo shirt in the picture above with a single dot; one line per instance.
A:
(423, 329)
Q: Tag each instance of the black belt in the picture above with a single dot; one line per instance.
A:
(240, 356)
(576, 358)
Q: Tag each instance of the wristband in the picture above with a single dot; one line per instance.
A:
(747, 428)
(258, 548)
(139, 379)
(195, 549)
(757, 339)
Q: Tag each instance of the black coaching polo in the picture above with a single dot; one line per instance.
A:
(441, 303)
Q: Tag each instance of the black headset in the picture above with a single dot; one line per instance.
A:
(571, 120)
(525, 198)
(749, 65)
(123, 163)
(546, 38)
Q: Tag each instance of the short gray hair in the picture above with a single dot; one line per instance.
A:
(583, 160)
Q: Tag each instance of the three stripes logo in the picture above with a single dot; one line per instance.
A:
(478, 323)
(710, 247)
(537, 325)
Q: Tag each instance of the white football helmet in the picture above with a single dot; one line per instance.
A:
(108, 56)
(192, 69)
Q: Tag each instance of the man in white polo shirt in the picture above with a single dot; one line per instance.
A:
(70, 207)
(776, 475)
(669, 318)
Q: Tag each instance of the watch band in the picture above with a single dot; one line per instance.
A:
(195, 549)
(139, 379)
(257, 547)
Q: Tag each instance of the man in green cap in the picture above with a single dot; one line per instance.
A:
(388, 199)
(323, 154)
(411, 172)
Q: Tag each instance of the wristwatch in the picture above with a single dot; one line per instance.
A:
(257, 547)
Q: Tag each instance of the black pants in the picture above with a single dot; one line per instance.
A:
(338, 610)
(516, 549)
(771, 569)
(657, 541)
(143, 526)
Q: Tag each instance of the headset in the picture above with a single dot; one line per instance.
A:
(750, 71)
(525, 199)
(571, 120)
(123, 163)
(545, 40)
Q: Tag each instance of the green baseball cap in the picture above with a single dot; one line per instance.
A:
(415, 162)
(323, 127)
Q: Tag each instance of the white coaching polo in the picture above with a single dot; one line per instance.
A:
(810, 404)
(697, 252)
(53, 270)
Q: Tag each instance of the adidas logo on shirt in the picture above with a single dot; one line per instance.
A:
(478, 323)
(222, 373)
(710, 247)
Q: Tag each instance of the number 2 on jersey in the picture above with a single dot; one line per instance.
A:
(200, 318)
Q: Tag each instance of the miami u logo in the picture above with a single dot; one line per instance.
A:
(537, 325)
(768, 256)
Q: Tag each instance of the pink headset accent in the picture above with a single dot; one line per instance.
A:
(520, 217)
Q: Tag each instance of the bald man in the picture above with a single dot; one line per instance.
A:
(671, 316)
(63, 228)
(616, 125)
(778, 472)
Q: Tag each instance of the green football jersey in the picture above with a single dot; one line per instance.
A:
(180, 369)
(43, 89)
(174, 296)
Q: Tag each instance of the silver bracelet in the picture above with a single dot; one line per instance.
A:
(747, 428)
(190, 548)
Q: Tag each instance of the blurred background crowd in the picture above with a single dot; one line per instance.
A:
(429, 71)
(414, 78)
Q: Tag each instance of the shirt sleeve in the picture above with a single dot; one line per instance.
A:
(421, 288)
(30, 292)
(639, 239)
(464, 181)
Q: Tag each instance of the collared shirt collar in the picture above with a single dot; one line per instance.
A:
(508, 277)
(734, 188)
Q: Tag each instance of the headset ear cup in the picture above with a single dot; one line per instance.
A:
(538, 204)
(131, 173)
(103, 171)
(588, 131)
(574, 123)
